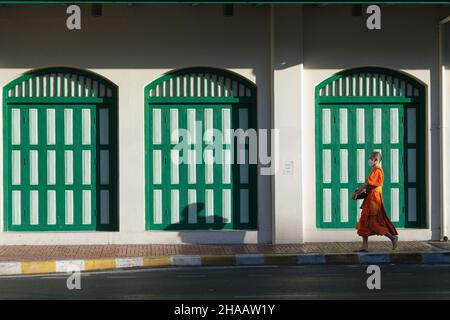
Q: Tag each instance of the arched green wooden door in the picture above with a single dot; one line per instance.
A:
(200, 193)
(60, 143)
(358, 111)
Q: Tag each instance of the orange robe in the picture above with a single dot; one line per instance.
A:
(374, 220)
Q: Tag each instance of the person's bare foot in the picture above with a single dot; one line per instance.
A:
(394, 243)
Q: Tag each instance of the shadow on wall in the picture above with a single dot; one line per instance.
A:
(154, 33)
(334, 39)
(190, 232)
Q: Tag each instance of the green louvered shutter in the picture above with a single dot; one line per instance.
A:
(198, 193)
(60, 155)
(358, 112)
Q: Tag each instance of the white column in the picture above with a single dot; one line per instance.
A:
(287, 72)
(445, 131)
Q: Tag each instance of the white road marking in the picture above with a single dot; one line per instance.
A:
(341, 295)
(42, 276)
(321, 275)
(432, 265)
(277, 296)
(355, 266)
(205, 268)
(172, 268)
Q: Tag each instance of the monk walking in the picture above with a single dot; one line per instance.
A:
(374, 220)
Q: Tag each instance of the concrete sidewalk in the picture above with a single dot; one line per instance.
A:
(49, 259)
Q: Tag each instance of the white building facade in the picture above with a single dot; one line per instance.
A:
(88, 118)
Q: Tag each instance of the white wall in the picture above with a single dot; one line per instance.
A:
(286, 52)
(445, 115)
(132, 46)
(287, 72)
(333, 41)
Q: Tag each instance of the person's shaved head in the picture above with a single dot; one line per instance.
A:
(376, 155)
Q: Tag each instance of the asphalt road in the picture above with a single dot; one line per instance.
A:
(264, 282)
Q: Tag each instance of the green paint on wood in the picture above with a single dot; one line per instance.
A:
(60, 89)
(370, 89)
(197, 89)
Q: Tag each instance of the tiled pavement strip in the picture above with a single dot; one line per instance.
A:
(30, 253)
(48, 259)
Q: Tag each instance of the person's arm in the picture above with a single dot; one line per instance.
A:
(372, 182)
(362, 188)
(366, 187)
